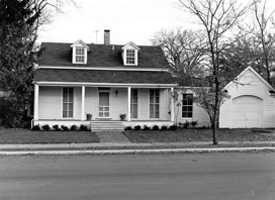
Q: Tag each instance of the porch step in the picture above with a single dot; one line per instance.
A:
(107, 126)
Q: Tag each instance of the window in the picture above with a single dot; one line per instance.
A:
(154, 103)
(187, 106)
(68, 102)
(79, 55)
(134, 103)
(130, 56)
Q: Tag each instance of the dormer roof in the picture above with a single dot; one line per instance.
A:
(130, 44)
(80, 42)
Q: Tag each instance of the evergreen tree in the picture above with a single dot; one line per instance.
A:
(18, 27)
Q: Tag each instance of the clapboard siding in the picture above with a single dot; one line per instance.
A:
(50, 102)
(199, 114)
(91, 101)
(119, 102)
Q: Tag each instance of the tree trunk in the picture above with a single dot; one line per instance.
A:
(214, 128)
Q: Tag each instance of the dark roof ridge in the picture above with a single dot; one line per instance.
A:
(98, 44)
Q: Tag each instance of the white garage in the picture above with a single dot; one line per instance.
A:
(251, 102)
(247, 112)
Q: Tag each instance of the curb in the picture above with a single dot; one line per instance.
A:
(134, 151)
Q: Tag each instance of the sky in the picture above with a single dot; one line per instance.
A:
(127, 20)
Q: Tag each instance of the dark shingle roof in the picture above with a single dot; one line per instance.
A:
(102, 76)
(60, 54)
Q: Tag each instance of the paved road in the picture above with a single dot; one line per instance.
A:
(242, 176)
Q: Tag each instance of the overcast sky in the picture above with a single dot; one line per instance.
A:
(128, 20)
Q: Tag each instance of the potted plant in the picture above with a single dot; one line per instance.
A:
(122, 117)
(89, 116)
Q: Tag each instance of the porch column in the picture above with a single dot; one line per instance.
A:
(36, 101)
(83, 104)
(172, 106)
(129, 104)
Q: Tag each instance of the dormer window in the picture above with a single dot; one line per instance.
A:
(80, 52)
(79, 55)
(130, 54)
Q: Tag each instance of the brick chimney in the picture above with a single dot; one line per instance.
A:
(106, 37)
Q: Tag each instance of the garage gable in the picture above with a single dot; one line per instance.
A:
(249, 82)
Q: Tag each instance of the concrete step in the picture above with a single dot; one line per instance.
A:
(107, 126)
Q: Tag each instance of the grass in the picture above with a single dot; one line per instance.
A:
(200, 135)
(24, 136)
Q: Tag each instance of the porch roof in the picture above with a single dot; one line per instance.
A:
(100, 76)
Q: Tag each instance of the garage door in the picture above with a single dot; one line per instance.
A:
(247, 112)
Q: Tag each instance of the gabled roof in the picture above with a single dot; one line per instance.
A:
(256, 74)
(82, 43)
(130, 44)
(60, 54)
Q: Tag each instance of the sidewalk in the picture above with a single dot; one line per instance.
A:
(114, 142)
(132, 148)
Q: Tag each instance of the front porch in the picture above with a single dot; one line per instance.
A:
(85, 105)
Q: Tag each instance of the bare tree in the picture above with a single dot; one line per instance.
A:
(217, 17)
(183, 50)
(266, 39)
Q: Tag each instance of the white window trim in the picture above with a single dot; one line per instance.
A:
(62, 91)
(187, 118)
(85, 55)
(154, 104)
(135, 103)
(125, 58)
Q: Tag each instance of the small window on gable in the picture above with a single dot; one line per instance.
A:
(79, 52)
(79, 55)
(130, 56)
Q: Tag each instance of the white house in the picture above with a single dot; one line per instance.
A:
(104, 81)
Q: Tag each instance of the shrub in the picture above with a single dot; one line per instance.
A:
(64, 128)
(137, 127)
(145, 127)
(194, 123)
(186, 124)
(164, 127)
(173, 128)
(46, 127)
(155, 127)
(127, 128)
(36, 128)
(73, 128)
(56, 127)
(83, 127)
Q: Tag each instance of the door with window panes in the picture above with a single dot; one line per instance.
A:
(104, 104)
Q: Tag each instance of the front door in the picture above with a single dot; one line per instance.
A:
(104, 104)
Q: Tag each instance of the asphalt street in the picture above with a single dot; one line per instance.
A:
(215, 176)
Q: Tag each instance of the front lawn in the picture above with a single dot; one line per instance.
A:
(24, 136)
(199, 135)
